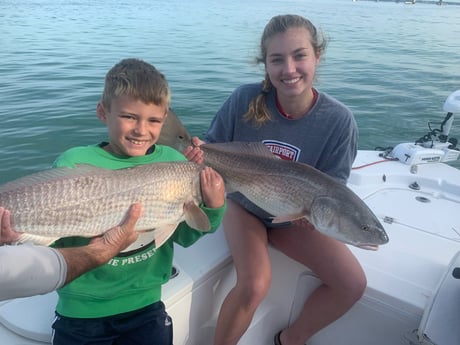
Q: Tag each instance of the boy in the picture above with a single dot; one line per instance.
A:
(120, 302)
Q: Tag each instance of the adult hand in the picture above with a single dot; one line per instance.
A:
(7, 234)
(103, 248)
(120, 237)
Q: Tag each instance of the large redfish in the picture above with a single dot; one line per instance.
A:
(291, 190)
(86, 200)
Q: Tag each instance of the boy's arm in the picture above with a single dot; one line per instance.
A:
(213, 193)
(185, 236)
(27, 270)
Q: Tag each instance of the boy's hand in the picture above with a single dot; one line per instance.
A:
(193, 152)
(7, 234)
(212, 188)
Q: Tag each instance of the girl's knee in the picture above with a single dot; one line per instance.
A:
(355, 285)
(348, 283)
(253, 291)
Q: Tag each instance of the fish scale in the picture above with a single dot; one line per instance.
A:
(290, 190)
(86, 200)
(99, 198)
(260, 178)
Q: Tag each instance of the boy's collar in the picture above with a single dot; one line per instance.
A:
(151, 150)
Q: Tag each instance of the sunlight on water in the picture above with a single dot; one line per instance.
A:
(394, 65)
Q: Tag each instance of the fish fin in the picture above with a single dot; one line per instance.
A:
(36, 239)
(195, 217)
(145, 237)
(163, 234)
(255, 148)
(289, 217)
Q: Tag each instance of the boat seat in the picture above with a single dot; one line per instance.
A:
(439, 324)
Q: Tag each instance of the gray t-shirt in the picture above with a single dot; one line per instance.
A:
(325, 138)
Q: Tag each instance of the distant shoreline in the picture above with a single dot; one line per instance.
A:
(431, 2)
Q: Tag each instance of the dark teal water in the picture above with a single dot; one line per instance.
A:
(393, 64)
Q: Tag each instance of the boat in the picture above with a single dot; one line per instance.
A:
(413, 290)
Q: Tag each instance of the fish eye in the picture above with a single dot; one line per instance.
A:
(365, 227)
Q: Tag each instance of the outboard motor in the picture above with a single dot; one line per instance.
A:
(436, 145)
(451, 106)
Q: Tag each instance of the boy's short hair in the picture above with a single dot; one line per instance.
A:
(137, 79)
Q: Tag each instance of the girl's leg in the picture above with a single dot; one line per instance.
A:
(343, 279)
(247, 239)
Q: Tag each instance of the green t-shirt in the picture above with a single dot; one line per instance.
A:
(131, 280)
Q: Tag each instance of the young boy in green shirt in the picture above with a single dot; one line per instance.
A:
(120, 302)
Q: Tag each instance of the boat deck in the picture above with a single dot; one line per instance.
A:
(418, 206)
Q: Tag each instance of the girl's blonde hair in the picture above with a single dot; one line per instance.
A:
(258, 112)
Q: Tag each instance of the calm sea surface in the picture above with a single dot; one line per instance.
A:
(393, 64)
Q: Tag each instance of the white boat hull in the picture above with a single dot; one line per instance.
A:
(403, 276)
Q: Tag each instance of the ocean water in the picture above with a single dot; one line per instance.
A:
(393, 64)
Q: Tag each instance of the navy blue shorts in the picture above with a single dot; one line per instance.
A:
(147, 326)
(265, 217)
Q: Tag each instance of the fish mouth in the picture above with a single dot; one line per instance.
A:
(368, 246)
